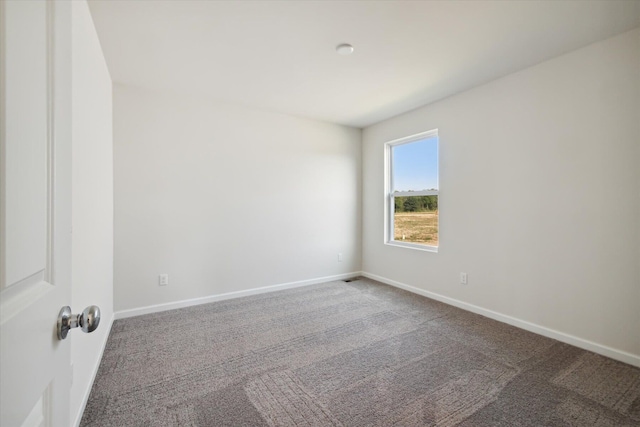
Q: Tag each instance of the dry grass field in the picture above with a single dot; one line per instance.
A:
(416, 227)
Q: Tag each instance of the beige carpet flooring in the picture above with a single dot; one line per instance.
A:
(350, 354)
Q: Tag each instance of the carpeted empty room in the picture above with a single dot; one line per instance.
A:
(351, 213)
(356, 353)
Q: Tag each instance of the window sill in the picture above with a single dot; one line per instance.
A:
(415, 246)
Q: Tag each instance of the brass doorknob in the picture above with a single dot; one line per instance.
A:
(88, 320)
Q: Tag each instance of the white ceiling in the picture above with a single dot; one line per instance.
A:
(280, 55)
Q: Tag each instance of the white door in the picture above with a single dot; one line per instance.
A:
(35, 208)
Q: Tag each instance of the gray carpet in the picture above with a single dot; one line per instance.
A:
(350, 354)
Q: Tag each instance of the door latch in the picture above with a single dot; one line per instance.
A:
(88, 320)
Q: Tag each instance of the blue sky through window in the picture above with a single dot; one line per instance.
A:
(415, 165)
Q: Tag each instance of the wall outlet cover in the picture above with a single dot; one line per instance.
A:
(463, 278)
(164, 279)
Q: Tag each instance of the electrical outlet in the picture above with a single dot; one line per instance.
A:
(463, 278)
(340, 257)
(164, 279)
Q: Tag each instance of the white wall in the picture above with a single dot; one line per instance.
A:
(92, 206)
(225, 198)
(540, 196)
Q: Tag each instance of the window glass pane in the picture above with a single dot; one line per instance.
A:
(415, 165)
(415, 220)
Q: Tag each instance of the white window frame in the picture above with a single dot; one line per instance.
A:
(390, 196)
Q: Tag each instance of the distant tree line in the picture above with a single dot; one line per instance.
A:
(416, 203)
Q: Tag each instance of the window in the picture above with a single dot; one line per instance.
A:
(412, 191)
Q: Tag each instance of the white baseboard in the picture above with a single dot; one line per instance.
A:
(87, 392)
(123, 314)
(604, 350)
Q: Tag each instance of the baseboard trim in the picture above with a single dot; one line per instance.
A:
(603, 350)
(123, 314)
(87, 392)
